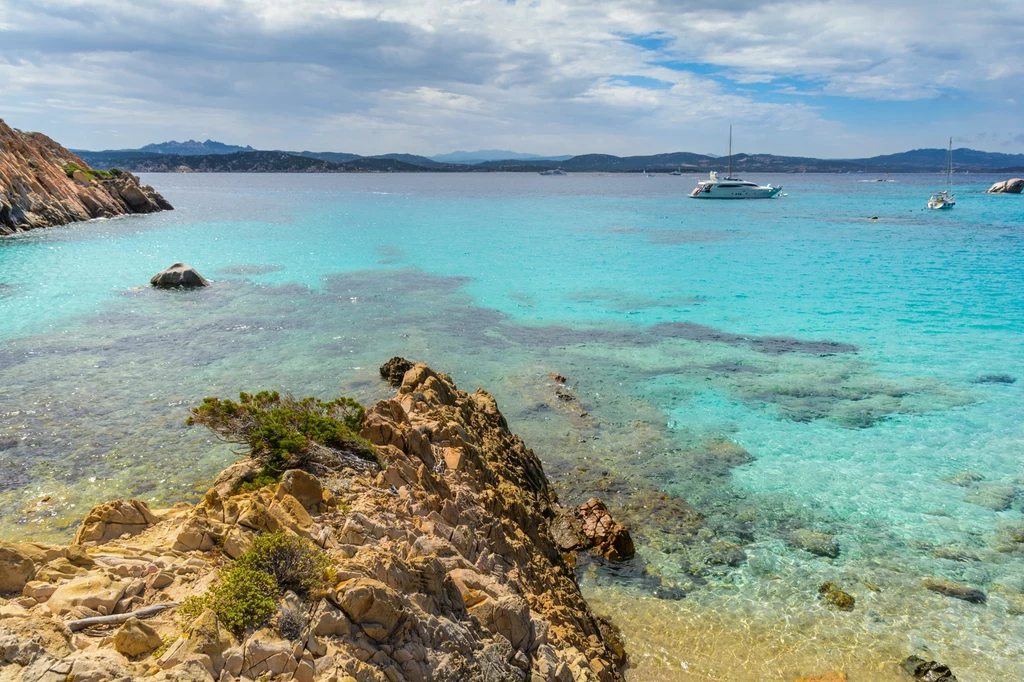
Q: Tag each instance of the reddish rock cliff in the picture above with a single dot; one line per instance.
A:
(43, 184)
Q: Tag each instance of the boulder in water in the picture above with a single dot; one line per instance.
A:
(1011, 186)
(179, 275)
(393, 371)
(927, 671)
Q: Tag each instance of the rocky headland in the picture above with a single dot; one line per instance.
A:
(42, 184)
(414, 541)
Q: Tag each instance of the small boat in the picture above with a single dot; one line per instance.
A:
(678, 171)
(945, 199)
(553, 171)
(730, 187)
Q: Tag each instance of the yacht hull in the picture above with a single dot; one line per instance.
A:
(735, 193)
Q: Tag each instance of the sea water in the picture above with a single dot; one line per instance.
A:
(838, 360)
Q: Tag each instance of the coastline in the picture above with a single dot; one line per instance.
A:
(442, 559)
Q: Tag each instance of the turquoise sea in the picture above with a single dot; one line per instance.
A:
(783, 366)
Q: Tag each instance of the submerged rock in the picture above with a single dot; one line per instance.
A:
(831, 593)
(837, 676)
(179, 275)
(994, 496)
(965, 478)
(812, 541)
(954, 590)
(995, 379)
(927, 671)
(1011, 186)
(393, 371)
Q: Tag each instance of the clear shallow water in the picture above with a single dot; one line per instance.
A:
(840, 352)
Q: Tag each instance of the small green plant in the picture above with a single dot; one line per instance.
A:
(295, 563)
(261, 479)
(285, 432)
(244, 597)
(92, 173)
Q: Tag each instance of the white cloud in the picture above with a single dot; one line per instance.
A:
(552, 75)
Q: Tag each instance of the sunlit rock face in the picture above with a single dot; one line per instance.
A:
(43, 184)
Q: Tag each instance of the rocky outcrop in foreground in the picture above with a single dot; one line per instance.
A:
(1011, 186)
(442, 566)
(43, 184)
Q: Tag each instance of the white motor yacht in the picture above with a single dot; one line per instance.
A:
(553, 171)
(730, 187)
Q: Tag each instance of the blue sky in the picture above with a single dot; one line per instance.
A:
(835, 78)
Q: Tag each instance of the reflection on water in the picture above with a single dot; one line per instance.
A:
(759, 440)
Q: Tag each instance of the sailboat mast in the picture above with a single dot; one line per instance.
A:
(730, 151)
(949, 174)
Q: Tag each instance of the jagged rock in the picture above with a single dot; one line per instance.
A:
(179, 275)
(446, 564)
(609, 537)
(927, 671)
(135, 638)
(955, 590)
(111, 520)
(43, 184)
(204, 637)
(1011, 186)
(371, 605)
(814, 542)
(393, 371)
(831, 593)
(16, 568)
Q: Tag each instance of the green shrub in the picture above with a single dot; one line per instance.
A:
(295, 563)
(93, 173)
(285, 432)
(244, 597)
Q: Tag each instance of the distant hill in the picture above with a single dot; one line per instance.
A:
(247, 160)
(935, 159)
(253, 162)
(194, 148)
(482, 155)
(335, 157)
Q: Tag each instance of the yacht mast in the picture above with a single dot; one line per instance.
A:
(730, 152)
(949, 174)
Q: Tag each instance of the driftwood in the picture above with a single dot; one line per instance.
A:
(75, 625)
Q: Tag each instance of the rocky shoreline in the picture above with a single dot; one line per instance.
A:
(42, 184)
(441, 554)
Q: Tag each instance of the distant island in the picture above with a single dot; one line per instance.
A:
(217, 157)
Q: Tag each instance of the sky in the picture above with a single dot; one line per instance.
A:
(829, 78)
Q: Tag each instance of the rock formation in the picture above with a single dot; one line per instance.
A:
(43, 184)
(442, 567)
(1011, 186)
(179, 275)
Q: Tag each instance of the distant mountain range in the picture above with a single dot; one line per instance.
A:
(216, 157)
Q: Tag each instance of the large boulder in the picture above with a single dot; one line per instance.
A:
(1011, 186)
(111, 520)
(16, 568)
(95, 591)
(135, 638)
(179, 275)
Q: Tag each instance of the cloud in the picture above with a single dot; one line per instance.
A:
(561, 76)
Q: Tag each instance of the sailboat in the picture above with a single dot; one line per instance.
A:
(945, 199)
(730, 187)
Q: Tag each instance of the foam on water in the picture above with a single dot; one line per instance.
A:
(738, 372)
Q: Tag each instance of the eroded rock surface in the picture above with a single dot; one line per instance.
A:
(444, 561)
(179, 275)
(43, 184)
